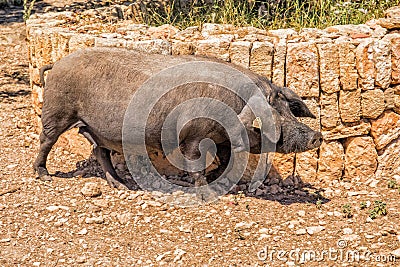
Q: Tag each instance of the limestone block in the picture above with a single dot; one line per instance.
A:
(37, 99)
(165, 32)
(354, 31)
(279, 60)
(109, 42)
(385, 129)
(279, 63)
(383, 63)
(372, 103)
(329, 110)
(80, 41)
(31, 46)
(239, 53)
(306, 165)
(313, 105)
(394, 40)
(311, 33)
(302, 69)
(282, 166)
(34, 75)
(190, 33)
(365, 65)
(350, 105)
(209, 29)
(215, 47)
(392, 98)
(390, 24)
(393, 13)
(329, 67)
(60, 43)
(156, 46)
(347, 66)
(282, 34)
(37, 122)
(331, 161)
(389, 161)
(43, 47)
(361, 158)
(242, 32)
(379, 31)
(392, 18)
(261, 56)
(347, 130)
(251, 34)
(182, 48)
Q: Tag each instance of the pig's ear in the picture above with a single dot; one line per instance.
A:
(296, 104)
(269, 124)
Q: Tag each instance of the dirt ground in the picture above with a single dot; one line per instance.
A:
(54, 224)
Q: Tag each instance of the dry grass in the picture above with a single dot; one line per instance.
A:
(277, 14)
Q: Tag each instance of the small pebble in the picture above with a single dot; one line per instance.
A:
(84, 231)
(91, 189)
(314, 229)
(100, 203)
(347, 231)
(396, 253)
(97, 220)
(124, 218)
(301, 213)
(81, 259)
(301, 232)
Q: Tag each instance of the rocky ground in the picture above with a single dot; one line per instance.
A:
(83, 222)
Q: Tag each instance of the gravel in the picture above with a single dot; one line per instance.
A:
(80, 221)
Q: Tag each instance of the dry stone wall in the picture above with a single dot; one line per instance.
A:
(349, 75)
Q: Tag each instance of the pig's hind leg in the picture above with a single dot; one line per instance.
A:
(53, 127)
(46, 143)
(103, 157)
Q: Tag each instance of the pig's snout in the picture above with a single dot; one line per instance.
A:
(315, 141)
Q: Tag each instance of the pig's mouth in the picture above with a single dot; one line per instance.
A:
(297, 141)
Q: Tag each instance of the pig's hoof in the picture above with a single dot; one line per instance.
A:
(45, 178)
(114, 183)
(117, 185)
(122, 187)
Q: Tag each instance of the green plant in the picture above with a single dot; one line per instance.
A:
(363, 205)
(378, 210)
(347, 211)
(286, 14)
(28, 6)
(237, 197)
(319, 204)
(393, 184)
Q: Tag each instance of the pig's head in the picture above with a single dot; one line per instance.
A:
(281, 130)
